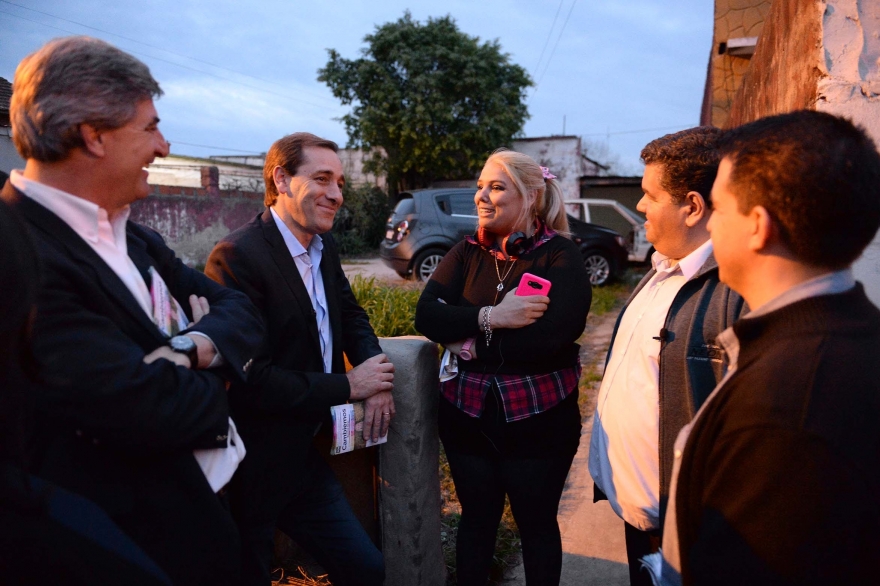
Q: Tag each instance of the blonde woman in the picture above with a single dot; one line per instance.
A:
(509, 420)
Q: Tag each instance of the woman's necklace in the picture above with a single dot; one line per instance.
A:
(500, 286)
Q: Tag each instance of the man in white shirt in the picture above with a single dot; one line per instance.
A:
(131, 342)
(287, 262)
(663, 360)
(776, 479)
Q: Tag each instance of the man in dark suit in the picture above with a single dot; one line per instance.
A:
(137, 418)
(287, 263)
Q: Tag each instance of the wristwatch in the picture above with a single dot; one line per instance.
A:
(185, 345)
(465, 353)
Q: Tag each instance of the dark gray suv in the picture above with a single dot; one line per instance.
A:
(426, 223)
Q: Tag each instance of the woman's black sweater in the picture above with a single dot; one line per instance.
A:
(466, 281)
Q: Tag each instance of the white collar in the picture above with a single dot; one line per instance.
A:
(293, 244)
(689, 265)
(78, 213)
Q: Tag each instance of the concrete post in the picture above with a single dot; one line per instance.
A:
(409, 484)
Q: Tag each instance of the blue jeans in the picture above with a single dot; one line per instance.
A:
(319, 518)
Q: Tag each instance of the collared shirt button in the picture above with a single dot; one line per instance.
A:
(678, 453)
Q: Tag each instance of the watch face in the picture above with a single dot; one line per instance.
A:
(182, 344)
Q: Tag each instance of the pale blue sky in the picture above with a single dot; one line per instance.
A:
(238, 75)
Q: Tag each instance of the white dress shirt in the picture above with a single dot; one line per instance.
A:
(106, 236)
(624, 448)
(308, 263)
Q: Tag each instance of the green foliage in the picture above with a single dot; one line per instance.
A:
(360, 223)
(391, 309)
(429, 102)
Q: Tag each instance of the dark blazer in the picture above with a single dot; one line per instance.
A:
(121, 432)
(288, 393)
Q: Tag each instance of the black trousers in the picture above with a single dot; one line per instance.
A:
(526, 460)
(639, 544)
(319, 518)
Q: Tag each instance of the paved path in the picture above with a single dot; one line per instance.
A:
(592, 535)
(372, 267)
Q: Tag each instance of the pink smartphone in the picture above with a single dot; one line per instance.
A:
(532, 285)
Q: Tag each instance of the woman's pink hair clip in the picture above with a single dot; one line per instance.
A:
(547, 173)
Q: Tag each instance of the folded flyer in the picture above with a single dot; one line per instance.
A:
(348, 429)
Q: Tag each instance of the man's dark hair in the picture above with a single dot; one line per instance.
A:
(287, 153)
(817, 175)
(689, 158)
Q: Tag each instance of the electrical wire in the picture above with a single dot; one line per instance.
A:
(206, 146)
(220, 77)
(547, 41)
(553, 52)
(155, 47)
(638, 131)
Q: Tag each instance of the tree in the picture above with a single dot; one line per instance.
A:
(429, 102)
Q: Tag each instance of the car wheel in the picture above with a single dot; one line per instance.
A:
(426, 263)
(599, 267)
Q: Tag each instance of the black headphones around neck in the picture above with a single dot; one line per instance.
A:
(514, 244)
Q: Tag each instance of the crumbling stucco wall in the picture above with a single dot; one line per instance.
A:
(560, 154)
(822, 55)
(785, 68)
(192, 220)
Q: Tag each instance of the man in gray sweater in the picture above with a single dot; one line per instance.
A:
(663, 361)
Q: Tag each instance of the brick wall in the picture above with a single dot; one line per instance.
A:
(785, 67)
(733, 19)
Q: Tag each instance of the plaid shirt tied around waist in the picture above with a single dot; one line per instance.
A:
(521, 395)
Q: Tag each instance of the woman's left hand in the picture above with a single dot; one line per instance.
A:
(455, 348)
(517, 311)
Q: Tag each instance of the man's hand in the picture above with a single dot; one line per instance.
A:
(370, 377)
(378, 411)
(207, 351)
(517, 311)
(200, 307)
(168, 354)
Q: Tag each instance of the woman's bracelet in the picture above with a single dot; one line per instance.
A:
(487, 323)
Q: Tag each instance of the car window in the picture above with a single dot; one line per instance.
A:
(404, 207)
(576, 210)
(462, 204)
(608, 216)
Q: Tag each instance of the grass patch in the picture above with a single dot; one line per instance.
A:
(391, 308)
(606, 298)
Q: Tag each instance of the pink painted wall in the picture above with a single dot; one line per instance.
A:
(192, 220)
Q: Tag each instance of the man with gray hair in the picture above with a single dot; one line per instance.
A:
(134, 346)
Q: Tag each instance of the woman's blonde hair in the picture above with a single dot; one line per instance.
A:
(527, 176)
